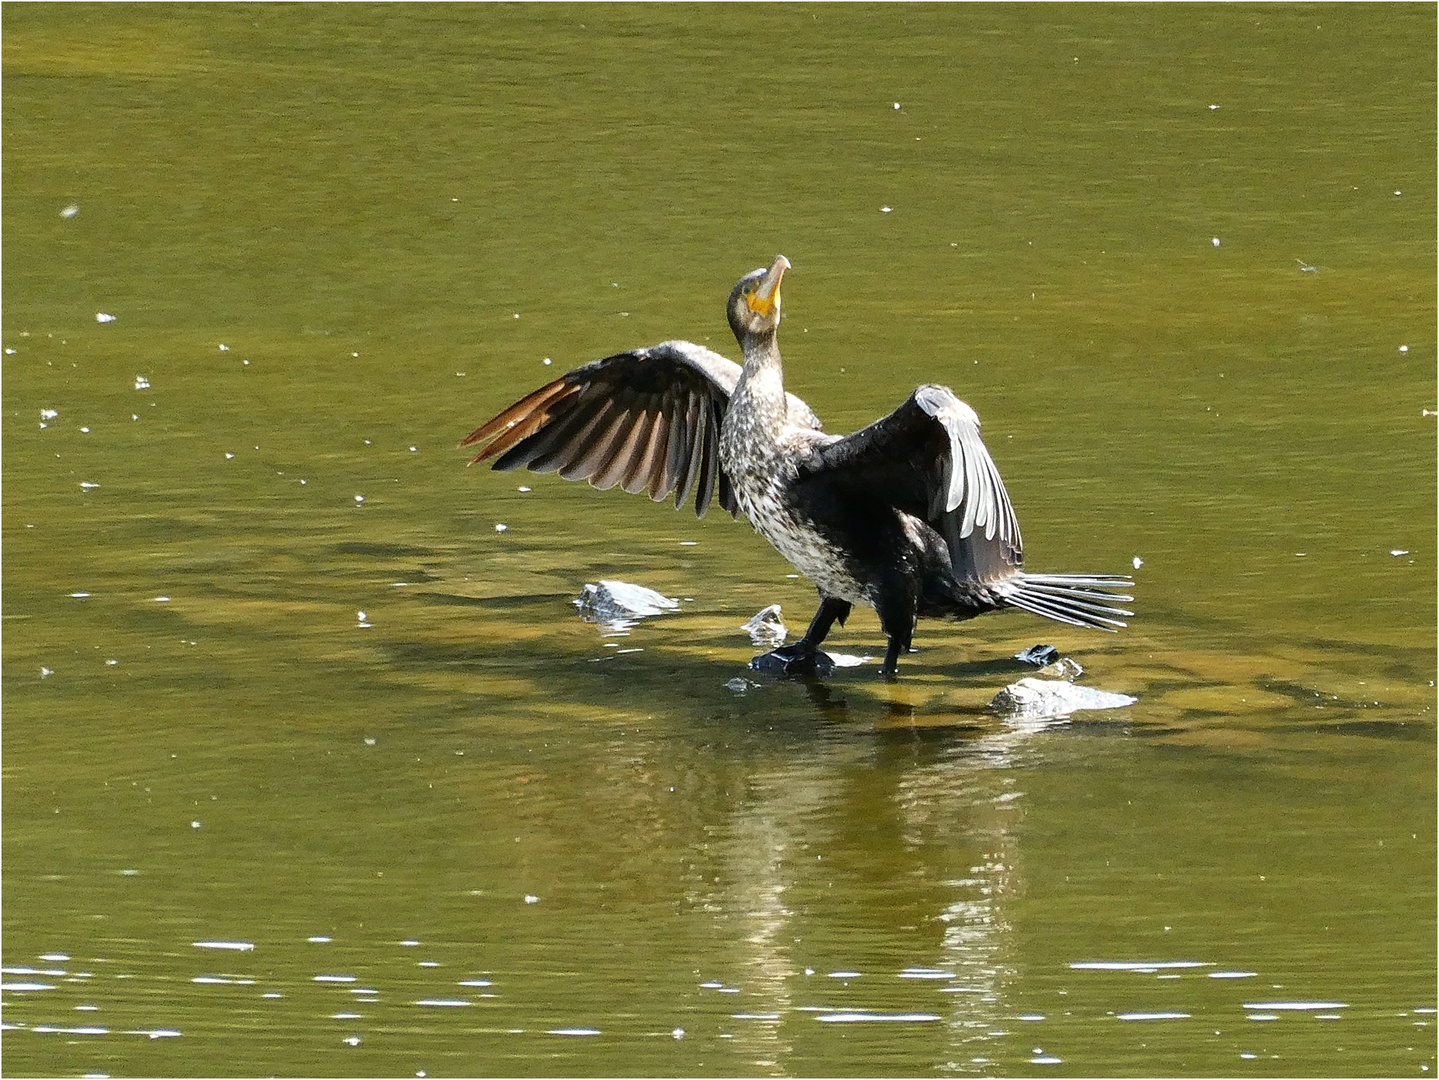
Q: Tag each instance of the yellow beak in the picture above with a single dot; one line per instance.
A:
(765, 299)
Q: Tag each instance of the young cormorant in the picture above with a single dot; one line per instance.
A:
(907, 515)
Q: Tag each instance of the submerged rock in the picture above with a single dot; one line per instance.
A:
(620, 603)
(766, 629)
(1037, 699)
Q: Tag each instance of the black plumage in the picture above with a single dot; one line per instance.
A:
(907, 515)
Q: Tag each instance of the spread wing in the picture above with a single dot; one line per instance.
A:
(646, 420)
(928, 460)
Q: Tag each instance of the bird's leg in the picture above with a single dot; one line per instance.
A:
(890, 668)
(896, 619)
(804, 657)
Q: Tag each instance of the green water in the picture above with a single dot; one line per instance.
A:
(336, 238)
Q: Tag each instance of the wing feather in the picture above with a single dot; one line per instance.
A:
(708, 449)
(640, 458)
(534, 403)
(613, 459)
(526, 424)
(693, 449)
(668, 476)
(555, 448)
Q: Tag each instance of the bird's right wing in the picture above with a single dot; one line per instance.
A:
(646, 420)
(926, 458)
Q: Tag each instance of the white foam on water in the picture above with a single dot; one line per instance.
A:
(869, 1017)
(1142, 966)
(46, 1030)
(1154, 1016)
(1295, 1006)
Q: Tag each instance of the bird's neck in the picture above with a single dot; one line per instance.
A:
(760, 391)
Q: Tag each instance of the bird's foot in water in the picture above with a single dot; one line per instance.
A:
(794, 660)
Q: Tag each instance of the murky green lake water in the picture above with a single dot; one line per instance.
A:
(1181, 261)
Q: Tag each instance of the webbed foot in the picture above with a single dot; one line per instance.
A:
(794, 660)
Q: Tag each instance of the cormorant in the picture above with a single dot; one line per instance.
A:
(907, 515)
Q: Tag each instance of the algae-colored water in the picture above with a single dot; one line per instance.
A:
(1180, 260)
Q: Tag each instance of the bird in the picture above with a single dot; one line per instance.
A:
(908, 516)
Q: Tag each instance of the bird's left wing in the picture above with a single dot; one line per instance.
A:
(646, 420)
(927, 459)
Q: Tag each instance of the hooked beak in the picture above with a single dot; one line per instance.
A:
(765, 299)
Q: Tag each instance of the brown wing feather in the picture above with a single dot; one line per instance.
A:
(590, 445)
(649, 463)
(534, 404)
(624, 457)
(556, 449)
(605, 443)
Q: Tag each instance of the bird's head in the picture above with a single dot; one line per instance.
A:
(754, 303)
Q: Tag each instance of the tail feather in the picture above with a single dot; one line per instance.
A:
(1074, 599)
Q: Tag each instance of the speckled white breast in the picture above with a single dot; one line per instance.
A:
(759, 488)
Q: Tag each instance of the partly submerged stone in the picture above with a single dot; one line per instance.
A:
(812, 664)
(1063, 668)
(1037, 699)
(1038, 655)
(620, 603)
